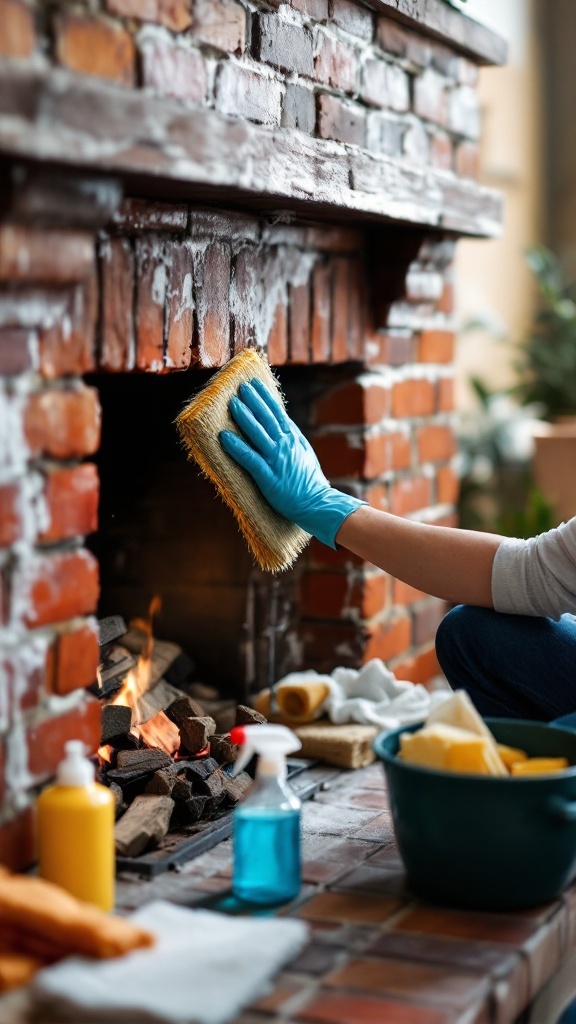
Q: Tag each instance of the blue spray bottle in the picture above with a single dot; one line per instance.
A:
(267, 821)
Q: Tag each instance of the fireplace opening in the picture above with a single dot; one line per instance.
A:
(206, 628)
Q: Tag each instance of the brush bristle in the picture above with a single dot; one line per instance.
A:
(274, 541)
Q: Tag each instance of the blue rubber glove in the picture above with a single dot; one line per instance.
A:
(284, 465)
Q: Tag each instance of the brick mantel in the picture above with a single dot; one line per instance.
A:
(96, 126)
(324, 109)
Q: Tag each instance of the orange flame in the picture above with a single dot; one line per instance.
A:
(105, 753)
(159, 731)
(145, 625)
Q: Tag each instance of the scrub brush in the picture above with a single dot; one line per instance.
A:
(273, 540)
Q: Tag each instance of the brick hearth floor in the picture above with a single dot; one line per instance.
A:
(376, 954)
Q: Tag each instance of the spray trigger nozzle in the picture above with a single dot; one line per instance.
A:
(272, 742)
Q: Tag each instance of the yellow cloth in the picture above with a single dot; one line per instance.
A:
(40, 923)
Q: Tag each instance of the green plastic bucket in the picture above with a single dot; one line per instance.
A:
(484, 842)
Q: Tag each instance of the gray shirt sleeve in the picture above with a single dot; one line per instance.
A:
(537, 576)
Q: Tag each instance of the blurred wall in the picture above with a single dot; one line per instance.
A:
(556, 25)
(493, 282)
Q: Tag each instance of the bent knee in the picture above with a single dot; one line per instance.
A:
(458, 621)
(460, 627)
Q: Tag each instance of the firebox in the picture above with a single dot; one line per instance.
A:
(291, 176)
(163, 531)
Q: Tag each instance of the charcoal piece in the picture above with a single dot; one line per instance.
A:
(222, 748)
(133, 779)
(145, 822)
(127, 742)
(152, 701)
(119, 805)
(182, 790)
(146, 760)
(110, 628)
(212, 787)
(106, 689)
(123, 776)
(248, 716)
(116, 722)
(194, 770)
(132, 783)
(161, 783)
(190, 811)
(195, 733)
(182, 709)
(235, 786)
(117, 664)
(105, 652)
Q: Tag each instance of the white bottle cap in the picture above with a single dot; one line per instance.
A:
(75, 769)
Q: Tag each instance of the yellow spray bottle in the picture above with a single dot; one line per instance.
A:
(76, 831)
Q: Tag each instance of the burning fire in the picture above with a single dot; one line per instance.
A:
(159, 731)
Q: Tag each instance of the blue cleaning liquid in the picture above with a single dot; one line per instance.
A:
(266, 854)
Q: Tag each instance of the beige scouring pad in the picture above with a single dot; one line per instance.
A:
(274, 541)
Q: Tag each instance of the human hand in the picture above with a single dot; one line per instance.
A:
(283, 464)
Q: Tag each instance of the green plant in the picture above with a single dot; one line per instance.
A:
(533, 517)
(497, 490)
(547, 363)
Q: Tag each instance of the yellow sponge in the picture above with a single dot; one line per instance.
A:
(273, 540)
(511, 755)
(449, 748)
(539, 765)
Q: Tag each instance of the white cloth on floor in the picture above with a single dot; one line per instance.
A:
(205, 967)
(373, 696)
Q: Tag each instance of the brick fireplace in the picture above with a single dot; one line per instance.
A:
(180, 180)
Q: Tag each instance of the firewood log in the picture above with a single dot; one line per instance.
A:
(212, 787)
(223, 749)
(189, 811)
(119, 805)
(147, 759)
(183, 708)
(248, 716)
(116, 722)
(145, 822)
(161, 783)
(195, 733)
(236, 787)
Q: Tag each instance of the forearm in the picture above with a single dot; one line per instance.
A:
(453, 564)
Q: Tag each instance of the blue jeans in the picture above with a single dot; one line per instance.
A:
(513, 666)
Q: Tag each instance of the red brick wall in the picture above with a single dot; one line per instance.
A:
(169, 287)
(49, 421)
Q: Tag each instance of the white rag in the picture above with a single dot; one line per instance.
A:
(205, 967)
(371, 696)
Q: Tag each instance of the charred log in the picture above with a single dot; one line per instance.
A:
(145, 822)
(116, 723)
(195, 734)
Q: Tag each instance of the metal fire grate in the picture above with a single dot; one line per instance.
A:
(181, 846)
